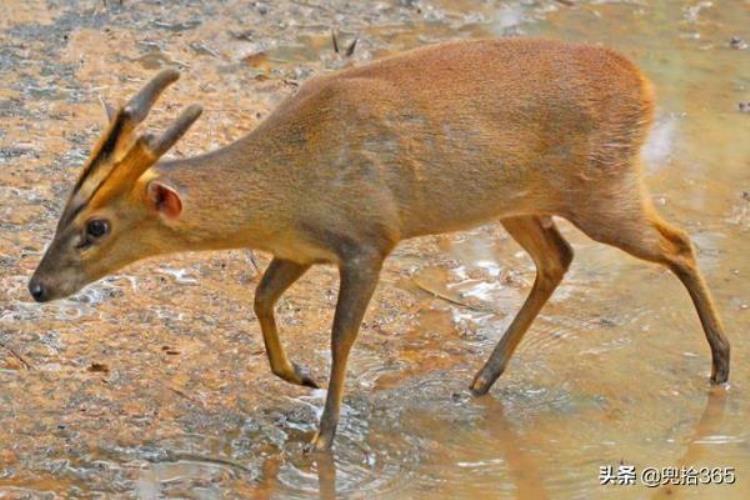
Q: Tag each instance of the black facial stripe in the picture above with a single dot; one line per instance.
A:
(75, 212)
(68, 218)
(106, 150)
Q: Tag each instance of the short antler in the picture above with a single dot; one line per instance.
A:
(121, 157)
(148, 148)
(175, 131)
(138, 107)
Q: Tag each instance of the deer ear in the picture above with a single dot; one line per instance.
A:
(164, 199)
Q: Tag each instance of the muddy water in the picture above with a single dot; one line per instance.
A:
(154, 382)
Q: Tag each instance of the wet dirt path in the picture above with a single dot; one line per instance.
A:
(154, 382)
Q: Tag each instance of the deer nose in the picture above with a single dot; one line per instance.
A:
(37, 291)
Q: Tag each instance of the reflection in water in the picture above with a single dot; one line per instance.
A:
(512, 457)
(524, 470)
(326, 466)
(706, 427)
(317, 472)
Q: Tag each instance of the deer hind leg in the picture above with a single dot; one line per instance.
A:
(552, 256)
(631, 224)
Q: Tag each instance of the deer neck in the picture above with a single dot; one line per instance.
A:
(233, 197)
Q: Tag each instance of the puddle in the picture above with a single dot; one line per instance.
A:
(154, 382)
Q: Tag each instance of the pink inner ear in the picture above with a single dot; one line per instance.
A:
(165, 200)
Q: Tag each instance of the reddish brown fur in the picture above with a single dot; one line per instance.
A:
(433, 140)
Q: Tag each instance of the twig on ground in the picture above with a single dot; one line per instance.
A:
(450, 299)
(17, 356)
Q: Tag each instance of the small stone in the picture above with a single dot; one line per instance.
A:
(737, 43)
(98, 368)
(744, 107)
(7, 457)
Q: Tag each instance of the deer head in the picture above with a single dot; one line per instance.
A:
(117, 212)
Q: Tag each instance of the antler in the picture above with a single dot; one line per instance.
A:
(101, 179)
(145, 150)
(138, 107)
(175, 131)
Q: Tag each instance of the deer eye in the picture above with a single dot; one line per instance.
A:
(97, 228)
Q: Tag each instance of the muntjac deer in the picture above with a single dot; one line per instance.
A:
(433, 140)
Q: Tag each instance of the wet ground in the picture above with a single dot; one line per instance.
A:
(154, 382)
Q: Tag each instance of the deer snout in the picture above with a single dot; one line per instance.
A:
(38, 290)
